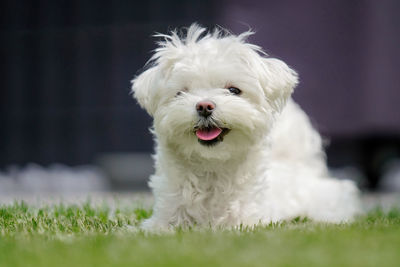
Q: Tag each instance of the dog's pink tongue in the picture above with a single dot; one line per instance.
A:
(208, 134)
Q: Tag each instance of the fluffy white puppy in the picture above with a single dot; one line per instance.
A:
(232, 147)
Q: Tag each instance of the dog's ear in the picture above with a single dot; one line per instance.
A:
(144, 88)
(278, 82)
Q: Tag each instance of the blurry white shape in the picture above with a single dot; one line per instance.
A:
(55, 178)
(349, 173)
(7, 183)
(390, 180)
(127, 170)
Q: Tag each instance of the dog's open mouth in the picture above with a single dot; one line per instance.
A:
(210, 135)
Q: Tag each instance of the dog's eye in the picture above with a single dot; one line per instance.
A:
(234, 90)
(184, 90)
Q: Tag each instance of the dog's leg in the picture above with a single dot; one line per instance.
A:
(170, 208)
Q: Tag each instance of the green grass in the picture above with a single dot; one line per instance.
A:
(96, 236)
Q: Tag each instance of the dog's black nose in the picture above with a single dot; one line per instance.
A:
(205, 108)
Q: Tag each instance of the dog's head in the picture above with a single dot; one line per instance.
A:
(212, 94)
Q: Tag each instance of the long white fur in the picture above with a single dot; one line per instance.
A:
(270, 167)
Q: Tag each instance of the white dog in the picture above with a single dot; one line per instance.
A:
(232, 147)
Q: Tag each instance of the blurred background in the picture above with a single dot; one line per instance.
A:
(69, 124)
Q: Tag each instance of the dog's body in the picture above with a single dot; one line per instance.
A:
(232, 147)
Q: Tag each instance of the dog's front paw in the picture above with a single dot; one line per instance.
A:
(156, 227)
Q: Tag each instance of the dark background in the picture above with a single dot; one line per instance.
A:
(66, 68)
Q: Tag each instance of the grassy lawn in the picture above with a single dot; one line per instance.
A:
(86, 236)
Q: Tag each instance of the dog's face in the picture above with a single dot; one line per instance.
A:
(212, 96)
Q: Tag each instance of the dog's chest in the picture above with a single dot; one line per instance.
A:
(213, 199)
